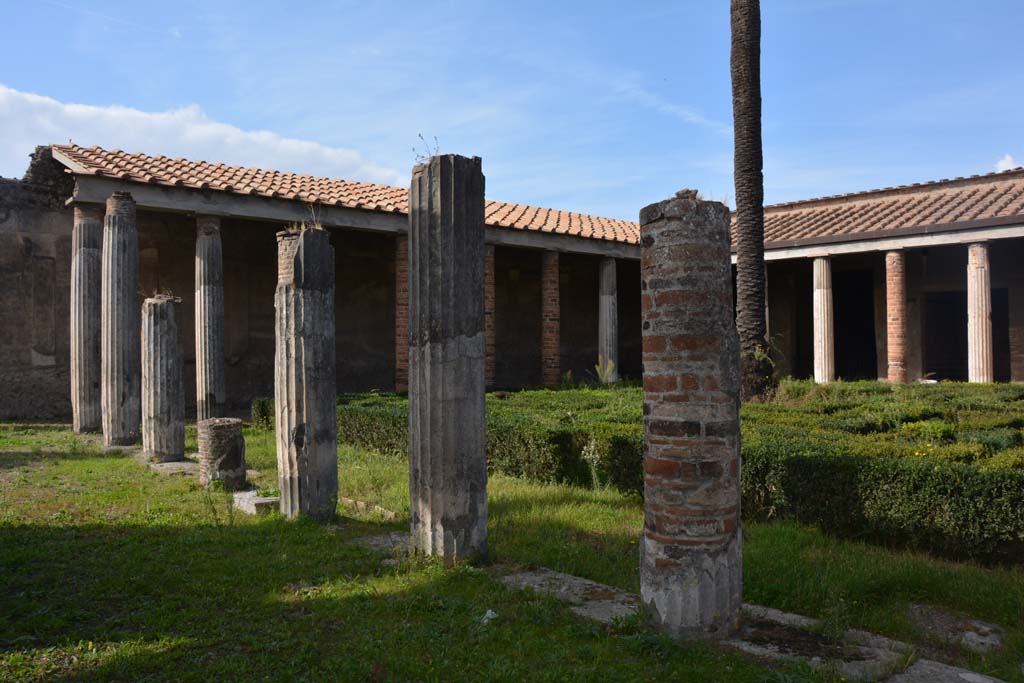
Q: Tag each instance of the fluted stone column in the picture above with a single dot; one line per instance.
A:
(608, 320)
(824, 339)
(304, 374)
(120, 323)
(209, 319)
(86, 264)
(896, 316)
(163, 387)
(690, 555)
(979, 315)
(447, 442)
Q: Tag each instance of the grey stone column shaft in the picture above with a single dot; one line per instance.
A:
(691, 564)
(824, 331)
(447, 441)
(120, 323)
(86, 264)
(163, 387)
(210, 385)
(305, 386)
(979, 315)
(608, 319)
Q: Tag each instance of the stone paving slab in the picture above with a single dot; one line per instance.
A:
(251, 503)
(182, 467)
(389, 544)
(956, 629)
(363, 506)
(765, 632)
(589, 599)
(927, 671)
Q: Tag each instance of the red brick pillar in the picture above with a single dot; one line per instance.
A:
(896, 315)
(551, 321)
(690, 557)
(489, 368)
(401, 314)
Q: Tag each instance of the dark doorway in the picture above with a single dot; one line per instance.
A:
(945, 335)
(854, 324)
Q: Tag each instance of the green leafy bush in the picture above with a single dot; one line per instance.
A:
(262, 413)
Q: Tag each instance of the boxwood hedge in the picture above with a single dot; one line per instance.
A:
(936, 467)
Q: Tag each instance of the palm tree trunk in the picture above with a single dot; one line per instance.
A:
(745, 66)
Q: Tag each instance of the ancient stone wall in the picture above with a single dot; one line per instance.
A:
(35, 283)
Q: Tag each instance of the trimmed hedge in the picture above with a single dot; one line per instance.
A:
(937, 467)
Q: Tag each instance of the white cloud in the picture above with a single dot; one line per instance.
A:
(1006, 163)
(27, 120)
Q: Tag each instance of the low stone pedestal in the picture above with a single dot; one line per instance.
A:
(252, 503)
(222, 452)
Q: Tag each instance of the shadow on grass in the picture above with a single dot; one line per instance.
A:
(279, 600)
(14, 459)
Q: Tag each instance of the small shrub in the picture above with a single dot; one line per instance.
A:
(262, 413)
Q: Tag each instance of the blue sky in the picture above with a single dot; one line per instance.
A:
(600, 107)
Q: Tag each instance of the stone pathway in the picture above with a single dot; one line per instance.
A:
(765, 632)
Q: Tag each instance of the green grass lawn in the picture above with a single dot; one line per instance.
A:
(110, 572)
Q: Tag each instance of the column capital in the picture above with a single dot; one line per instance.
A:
(206, 225)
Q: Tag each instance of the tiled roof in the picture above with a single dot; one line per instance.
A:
(995, 198)
(991, 199)
(161, 170)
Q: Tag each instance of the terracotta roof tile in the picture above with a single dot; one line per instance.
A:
(944, 202)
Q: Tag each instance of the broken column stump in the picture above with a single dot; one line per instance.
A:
(163, 389)
(210, 385)
(690, 563)
(120, 372)
(221, 452)
(447, 444)
(86, 264)
(304, 376)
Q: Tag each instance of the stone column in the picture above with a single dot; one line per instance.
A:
(551, 321)
(401, 314)
(86, 263)
(690, 555)
(608, 320)
(119, 323)
(824, 341)
(896, 316)
(305, 391)
(490, 369)
(447, 441)
(163, 388)
(979, 315)
(210, 385)
(221, 452)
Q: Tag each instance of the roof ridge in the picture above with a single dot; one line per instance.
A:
(909, 188)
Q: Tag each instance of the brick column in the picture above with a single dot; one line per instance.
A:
(447, 438)
(608, 319)
(690, 557)
(86, 261)
(489, 338)
(401, 314)
(824, 341)
(979, 315)
(896, 316)
(551, 321)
